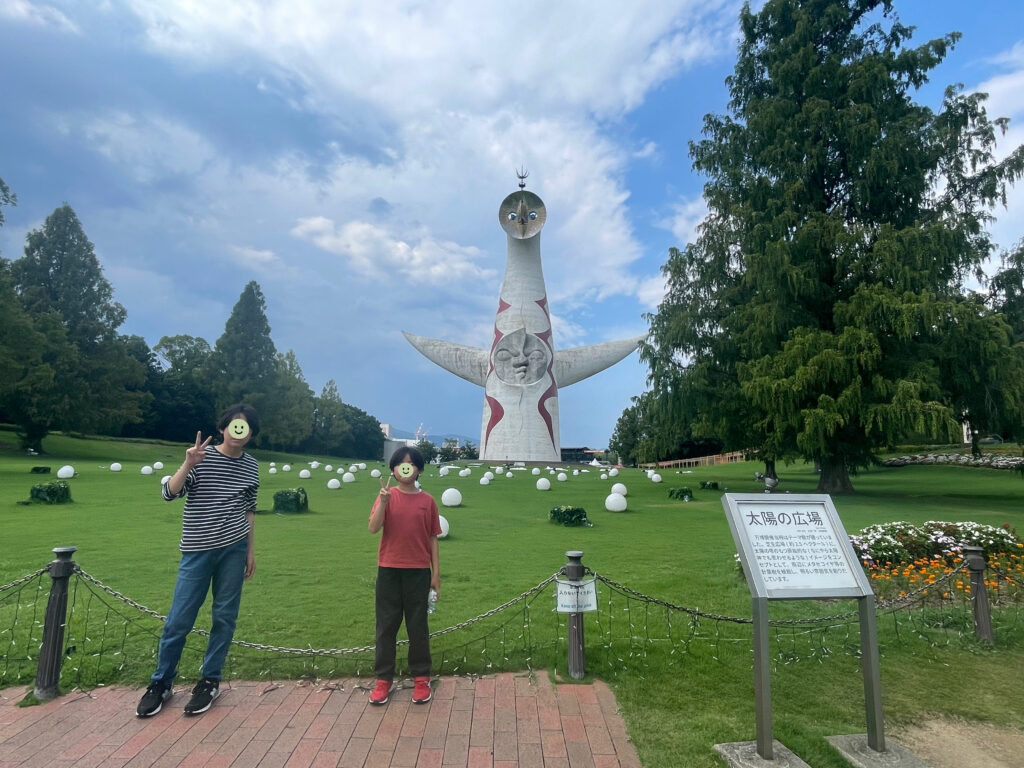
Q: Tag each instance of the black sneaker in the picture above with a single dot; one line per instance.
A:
(153, 699)
(203, 694)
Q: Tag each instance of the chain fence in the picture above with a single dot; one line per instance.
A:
(109, 637)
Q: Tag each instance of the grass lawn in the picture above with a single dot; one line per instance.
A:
(682, 689)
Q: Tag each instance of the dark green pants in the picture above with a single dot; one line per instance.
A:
(402, 593)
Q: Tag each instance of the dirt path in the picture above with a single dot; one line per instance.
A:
(945, 743)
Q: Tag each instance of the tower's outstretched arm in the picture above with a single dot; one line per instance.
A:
(576, 364)
(468, 363)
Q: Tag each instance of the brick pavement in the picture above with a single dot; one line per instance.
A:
(502, 721)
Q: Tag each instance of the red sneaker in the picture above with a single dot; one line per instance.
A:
(421, 693)
(382, 692)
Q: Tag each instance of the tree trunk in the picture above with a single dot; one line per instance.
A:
(769, 469)
(31, 438)
(835, 476)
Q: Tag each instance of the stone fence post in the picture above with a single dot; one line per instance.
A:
(977, 564)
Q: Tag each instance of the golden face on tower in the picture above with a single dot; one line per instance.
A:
(522, 214)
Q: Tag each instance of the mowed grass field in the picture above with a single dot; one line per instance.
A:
(313, 586)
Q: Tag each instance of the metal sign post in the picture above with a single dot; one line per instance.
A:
(794, 547)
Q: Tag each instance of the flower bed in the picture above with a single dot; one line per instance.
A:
(989, 460)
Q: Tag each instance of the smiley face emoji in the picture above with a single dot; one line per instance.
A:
(238, 429)
(406, 470)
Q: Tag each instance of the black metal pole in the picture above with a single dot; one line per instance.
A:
(976, 564)
(51, 653)
(573, 571)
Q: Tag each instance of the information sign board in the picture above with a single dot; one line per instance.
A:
(794, 546)
(576, 596)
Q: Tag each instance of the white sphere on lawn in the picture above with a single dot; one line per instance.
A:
(273, 463)
(445, 528)
(341, 470)
(465, 472)
(620, 489)
(613, 472)
(348, 477)
(375, 473)
(543, 484)
(286, 468)
(115, 467)
(354, 468)
(535, 471)
(575, 472)
(314, 464)
(604, 475)
(443, 471)
(551, 471)
(272, 470)
(146, 470)
(650, 472)
(334, 483)
(615, 502)
(655, 478)
(328, 467)
(165, 479)
(562, 477)
(304, 474)
(452, 497)
(362, 466)
(65, 472)
(485, 480)
(489, 475)
(158, 465)
(509, 474)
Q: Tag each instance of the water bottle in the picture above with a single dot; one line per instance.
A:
(431, 600)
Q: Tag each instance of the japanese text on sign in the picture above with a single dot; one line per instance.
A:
(795, 547)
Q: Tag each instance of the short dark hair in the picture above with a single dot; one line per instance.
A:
(408, 451)
(239, 408)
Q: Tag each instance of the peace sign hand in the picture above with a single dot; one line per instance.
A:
(197, 453)
(385, 489)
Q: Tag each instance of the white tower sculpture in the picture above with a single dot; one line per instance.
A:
(522, 372)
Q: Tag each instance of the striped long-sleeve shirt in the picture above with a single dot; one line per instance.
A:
(220, 491)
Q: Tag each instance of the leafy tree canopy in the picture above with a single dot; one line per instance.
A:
(822, 310)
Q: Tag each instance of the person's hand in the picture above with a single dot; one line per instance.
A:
(197, 453)
(435, 583)
(385, 489)
(250, 566)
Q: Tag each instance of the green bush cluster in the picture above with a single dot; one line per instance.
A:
(54, 492)
(682, 492)
(291, 501)
(571, 516)
(709, 485)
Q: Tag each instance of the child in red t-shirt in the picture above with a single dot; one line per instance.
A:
(407, 569)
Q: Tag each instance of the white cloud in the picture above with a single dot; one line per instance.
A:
(147, 147)
(374, 253)
(648, 150)
(255, 258)
(407, 57)
(38, 15)
(686, 215)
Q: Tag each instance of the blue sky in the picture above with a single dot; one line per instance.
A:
(351, 157)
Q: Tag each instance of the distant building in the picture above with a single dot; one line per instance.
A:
(577, 455)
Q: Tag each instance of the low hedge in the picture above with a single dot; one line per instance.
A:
(291, 501)
(54, 492)
(570, 516)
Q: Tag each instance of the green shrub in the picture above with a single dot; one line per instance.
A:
(40, 470)
(54, 492)
(683, 492)
(709, 485)
(570, 516)
(291, 501)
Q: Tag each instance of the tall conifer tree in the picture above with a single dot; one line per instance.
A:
(822, 311)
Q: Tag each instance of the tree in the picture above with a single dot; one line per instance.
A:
(330, 429)
(187, 403)
(822, 307)
(60, 278)
(427, 449)
(449, 450)
(287, 417)
(365, 439)
(469, 451)
(60, 272)
(243, 366)
(6, 198)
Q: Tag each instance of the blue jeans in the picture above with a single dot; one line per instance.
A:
(224, 569)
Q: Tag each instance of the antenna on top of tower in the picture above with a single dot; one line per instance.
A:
(522, 173)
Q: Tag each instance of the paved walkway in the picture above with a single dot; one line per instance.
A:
(504, 721)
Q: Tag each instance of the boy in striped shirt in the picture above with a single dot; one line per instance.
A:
(220, 482)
